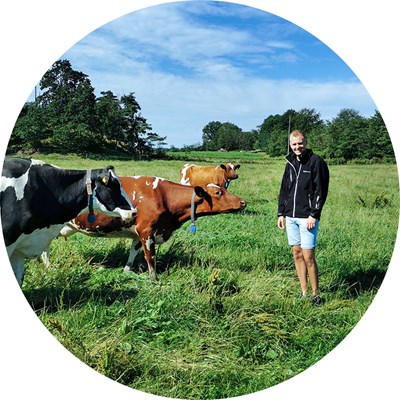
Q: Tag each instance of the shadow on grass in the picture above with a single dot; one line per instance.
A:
(178, 253)
(116, 257)
(54, 298)
(360, 281)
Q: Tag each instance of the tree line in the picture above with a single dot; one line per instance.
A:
(68, 117)
(347, 136)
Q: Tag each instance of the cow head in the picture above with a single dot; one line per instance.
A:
(108, 196)
(217, 200)
(230, 172)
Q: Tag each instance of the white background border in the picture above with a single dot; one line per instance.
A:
(35, 33)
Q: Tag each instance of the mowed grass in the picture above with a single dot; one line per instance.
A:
(224, 318)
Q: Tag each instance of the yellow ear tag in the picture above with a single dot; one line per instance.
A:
(104, 180)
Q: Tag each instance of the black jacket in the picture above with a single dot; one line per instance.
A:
(304, 189)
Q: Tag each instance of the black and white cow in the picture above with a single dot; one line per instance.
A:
(37, 199)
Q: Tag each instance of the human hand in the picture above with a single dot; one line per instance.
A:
(281, 222)
(310, 223)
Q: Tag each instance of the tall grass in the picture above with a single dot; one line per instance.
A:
(224, 318)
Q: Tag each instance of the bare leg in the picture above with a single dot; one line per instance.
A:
(312, 269)
(301, 267)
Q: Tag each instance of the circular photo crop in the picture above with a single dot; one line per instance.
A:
(199, 200)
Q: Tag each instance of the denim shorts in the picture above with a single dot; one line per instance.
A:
(298, 234)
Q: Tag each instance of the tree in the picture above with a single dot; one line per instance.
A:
(69, 100)
(31, 128)
(210, 135)
(273, 134)
(307, 120)
(347, 132)
(137, 132)
(228, 136)
(110, 117)
(248, 140)
(379, 143)
(274, 131)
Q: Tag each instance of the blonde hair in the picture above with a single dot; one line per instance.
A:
(297, 133)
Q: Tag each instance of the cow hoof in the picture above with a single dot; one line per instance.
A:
(127, 269)
(153, 276)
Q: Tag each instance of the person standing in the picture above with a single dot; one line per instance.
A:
(302, 195)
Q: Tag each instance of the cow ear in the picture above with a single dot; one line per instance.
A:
(104, 178)
(237, 166)
(223, 166)
(107, 176)
(199, 191)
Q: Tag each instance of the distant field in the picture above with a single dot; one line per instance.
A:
(224, 319)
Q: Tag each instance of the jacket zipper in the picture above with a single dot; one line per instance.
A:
(295, 187)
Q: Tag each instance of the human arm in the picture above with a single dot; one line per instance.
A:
(320, 187)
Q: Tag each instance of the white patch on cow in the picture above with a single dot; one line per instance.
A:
(124, 214)
(68, 230)
(185, 180)
(134, 196)
(133, 252)
(149, 242)
(117, 212)
(20, 183)
(231, 166)
(155, 183)
(33, 244)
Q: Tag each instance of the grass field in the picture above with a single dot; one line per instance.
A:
(224, 318)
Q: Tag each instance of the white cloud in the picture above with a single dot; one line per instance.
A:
(187, 71)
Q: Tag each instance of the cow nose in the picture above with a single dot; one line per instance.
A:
(242, 204)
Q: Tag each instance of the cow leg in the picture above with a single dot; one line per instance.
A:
(133, 252)
(149, 249)
(17, 262)
(45, 256)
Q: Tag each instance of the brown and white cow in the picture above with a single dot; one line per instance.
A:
(201, 175)
(162, 207)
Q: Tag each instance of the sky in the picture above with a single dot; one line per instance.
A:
(190, 63)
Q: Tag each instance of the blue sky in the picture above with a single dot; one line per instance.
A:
(190, 63)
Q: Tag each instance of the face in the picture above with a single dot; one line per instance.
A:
(111, 198)
(297, 144)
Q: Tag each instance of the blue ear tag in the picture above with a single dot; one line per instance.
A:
(91, 218)
(193, 228)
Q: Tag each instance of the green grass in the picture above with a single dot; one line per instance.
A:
(224, 319)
